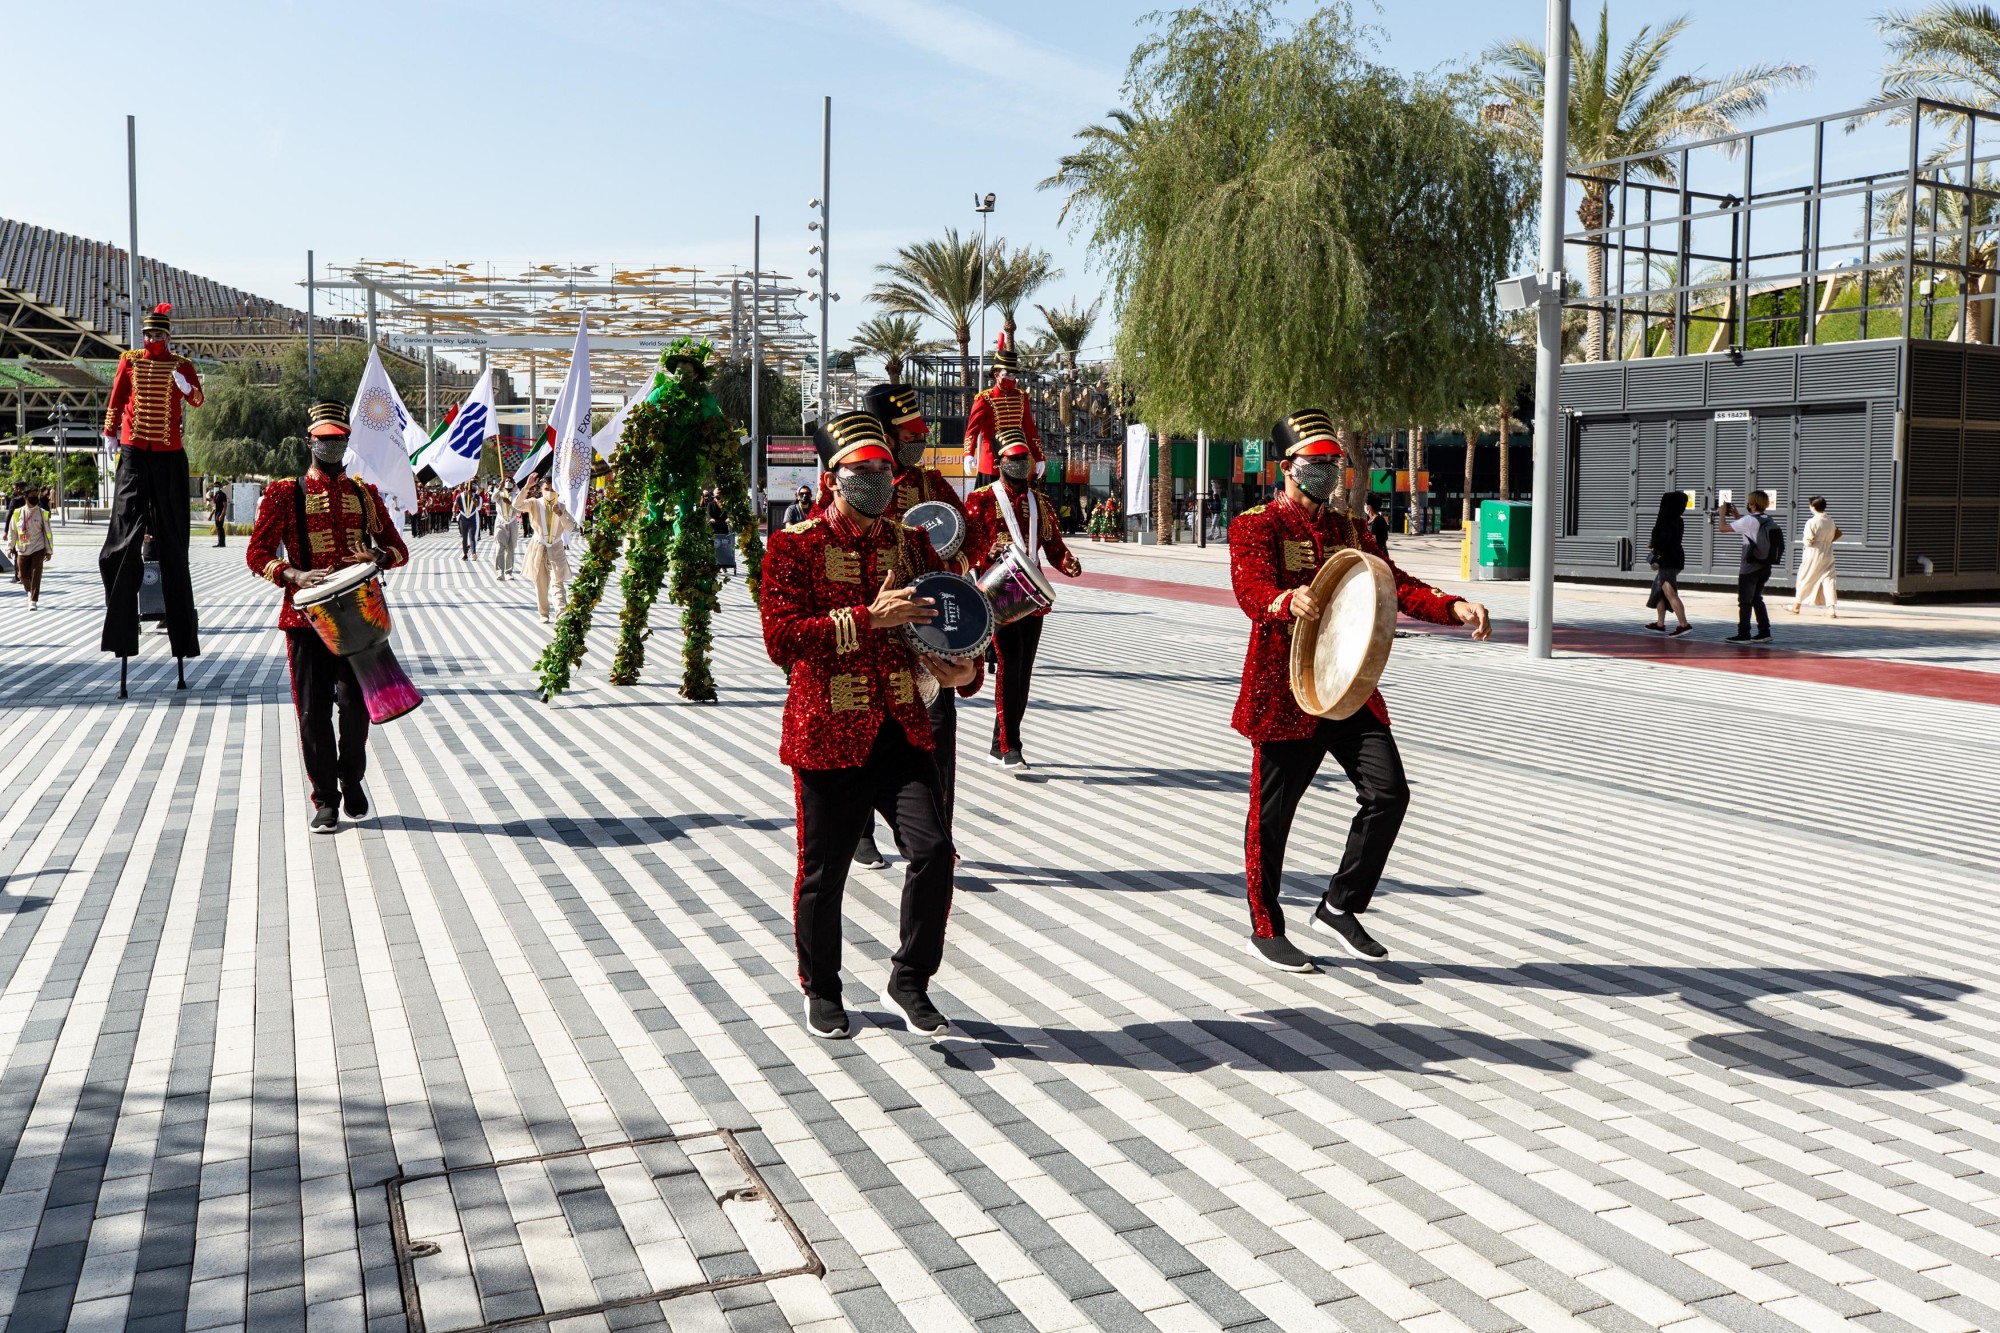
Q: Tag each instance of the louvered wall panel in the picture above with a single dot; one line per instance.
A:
(1833, 462)
(1931, 531)
(1596, 553)
(1979, 465)
(1763, 379)
(1982, 384)
(1848, 373)
(1937, 381)
(1599, 388)
(1773, 458)
(1979, 539)
(1604, 477)
(1689, 470)
(1652, 478)
(1881, 474)
(1673, 382)
(1931, 465)
(1871, 563)
(1732, 458)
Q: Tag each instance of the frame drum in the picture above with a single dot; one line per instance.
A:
(1338, 658)
(964, 623)
(944, 525)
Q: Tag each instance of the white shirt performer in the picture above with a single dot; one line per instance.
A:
(548, 556)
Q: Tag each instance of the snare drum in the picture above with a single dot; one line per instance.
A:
(1015, 587)
(346, 609)
(944, 525)
(964, 622)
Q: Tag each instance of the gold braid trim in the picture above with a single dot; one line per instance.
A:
(846, 637)
(274, 572)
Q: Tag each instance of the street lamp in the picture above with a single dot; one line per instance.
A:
(983, 207)
(59, 418)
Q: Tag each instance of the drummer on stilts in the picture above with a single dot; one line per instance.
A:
(895, 406)
(323, 521)
(856, 735)
(1013, 515)
(1274, 552)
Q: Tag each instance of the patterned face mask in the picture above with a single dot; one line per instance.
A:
(1014, 469)
(328, 450)
(1316, 477)
(910, 453)
(866, 493)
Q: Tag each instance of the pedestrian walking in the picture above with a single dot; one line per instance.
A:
(465, 507)
(1666, 552)
(15, 499)
(486, 510)
(506, 532)
(1763, 551)
(31, 542)
(718, 527)
(1816, 562)
(218, 511)
(1378, 525)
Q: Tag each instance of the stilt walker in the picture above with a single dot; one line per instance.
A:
(1013, 514)
(149, 495)
(1275, 550)
(895, 406)
(835, 599)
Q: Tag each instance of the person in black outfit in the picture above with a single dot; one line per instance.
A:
(1378, 526)
(800, 509)
(1666, 552)
(1761, 553)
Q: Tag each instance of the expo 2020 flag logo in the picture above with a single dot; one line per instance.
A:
(377, 411)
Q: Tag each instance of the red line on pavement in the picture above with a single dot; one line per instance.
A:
(1862, 673)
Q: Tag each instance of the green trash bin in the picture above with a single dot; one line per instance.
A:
(1504, 527)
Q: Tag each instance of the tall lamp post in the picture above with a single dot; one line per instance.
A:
(983, 207)
(1542, 291)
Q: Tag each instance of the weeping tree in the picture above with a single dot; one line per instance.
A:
(1285, 223)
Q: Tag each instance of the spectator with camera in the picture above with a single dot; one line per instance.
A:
(1763, 551)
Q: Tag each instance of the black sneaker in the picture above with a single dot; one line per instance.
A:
(1281, 953)
(868, 855)
(1761, 638)
(326, 819)
(1347, 928)
(1015, 762)
(1738, 638)
(996, 755)
(826, 1019)
(916, 1005)
(355, 802)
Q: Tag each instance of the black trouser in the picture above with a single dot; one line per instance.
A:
(1750, 599)
(943, 712)
(150, 494)
(319, 681)
(1280, 773)
(901, 782)
(1015, 646)
(468, 535)
(221, 530)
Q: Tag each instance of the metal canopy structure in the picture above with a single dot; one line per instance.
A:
(525, 319)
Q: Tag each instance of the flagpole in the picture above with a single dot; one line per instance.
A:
(132, 199)
(756, 337)
(312, 364)
(825, 239)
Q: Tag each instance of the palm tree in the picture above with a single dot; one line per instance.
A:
(1070, 326)
(894, 338)
(944, 279)
(1092, 172)
(1012, 278)
(1624, 104)
(1947, 51)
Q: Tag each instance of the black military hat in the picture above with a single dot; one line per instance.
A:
(1004, 356)
(851, 437)
(159, 319)
(895, 405)
(1306, 431)
(328, 418)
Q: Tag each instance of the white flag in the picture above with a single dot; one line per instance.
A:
(454, 454)
(606, 440)
(569, 427)
(1138, 471)
(378, 451)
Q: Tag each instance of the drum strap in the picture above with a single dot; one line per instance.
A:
(302, 557)
(1033, 550)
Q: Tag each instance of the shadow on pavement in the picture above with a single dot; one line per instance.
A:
(571, 831)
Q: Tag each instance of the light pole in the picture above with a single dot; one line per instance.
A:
(983, 207)
(1548, 334)
(756, 338)
(61, 423)
(825, 240)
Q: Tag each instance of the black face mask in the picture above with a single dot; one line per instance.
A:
(1015, 469)
(1316, 477)
(867, 493)
(910, 453)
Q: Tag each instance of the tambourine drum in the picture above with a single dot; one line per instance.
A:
(1015, 587)
(964, 622)
(1338, 658)
(348, 612)
(944, 525)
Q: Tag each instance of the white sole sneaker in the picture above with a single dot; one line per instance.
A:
(841, 1035)
(1346, 946)
(1250, 947)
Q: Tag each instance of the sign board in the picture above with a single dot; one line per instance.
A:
(790, 461)
(1733, 414)
(1253, 456)
(441, 339)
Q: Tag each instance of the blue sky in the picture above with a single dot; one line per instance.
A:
(649, 131)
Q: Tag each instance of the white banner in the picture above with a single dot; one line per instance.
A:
(606, 440)
(1138, 471)
(569, 422)
(379, 451)
(454, 454)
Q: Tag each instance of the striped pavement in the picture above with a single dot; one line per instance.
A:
(1689, 1024)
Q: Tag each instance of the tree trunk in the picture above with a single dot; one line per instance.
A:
(1417, 497)
(893, 367)
(1506, 472)
(965, 368)
(1354, 448)
(1595, 214)
(1163, 493)
(1465, 500)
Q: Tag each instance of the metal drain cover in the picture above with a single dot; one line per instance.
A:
(573, 1233)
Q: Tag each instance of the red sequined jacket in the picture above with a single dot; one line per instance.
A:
(1273, 549)
(848, 678)
(344, 519)
(147, 394)
(986, 535)
(1000, 406)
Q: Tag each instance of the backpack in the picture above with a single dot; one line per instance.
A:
(1772, 535)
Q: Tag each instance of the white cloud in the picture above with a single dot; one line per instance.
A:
(987, 48)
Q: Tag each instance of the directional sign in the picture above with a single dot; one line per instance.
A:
(443, 339)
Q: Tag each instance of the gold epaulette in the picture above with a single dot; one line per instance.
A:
(797, 529)
(1255, 510)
